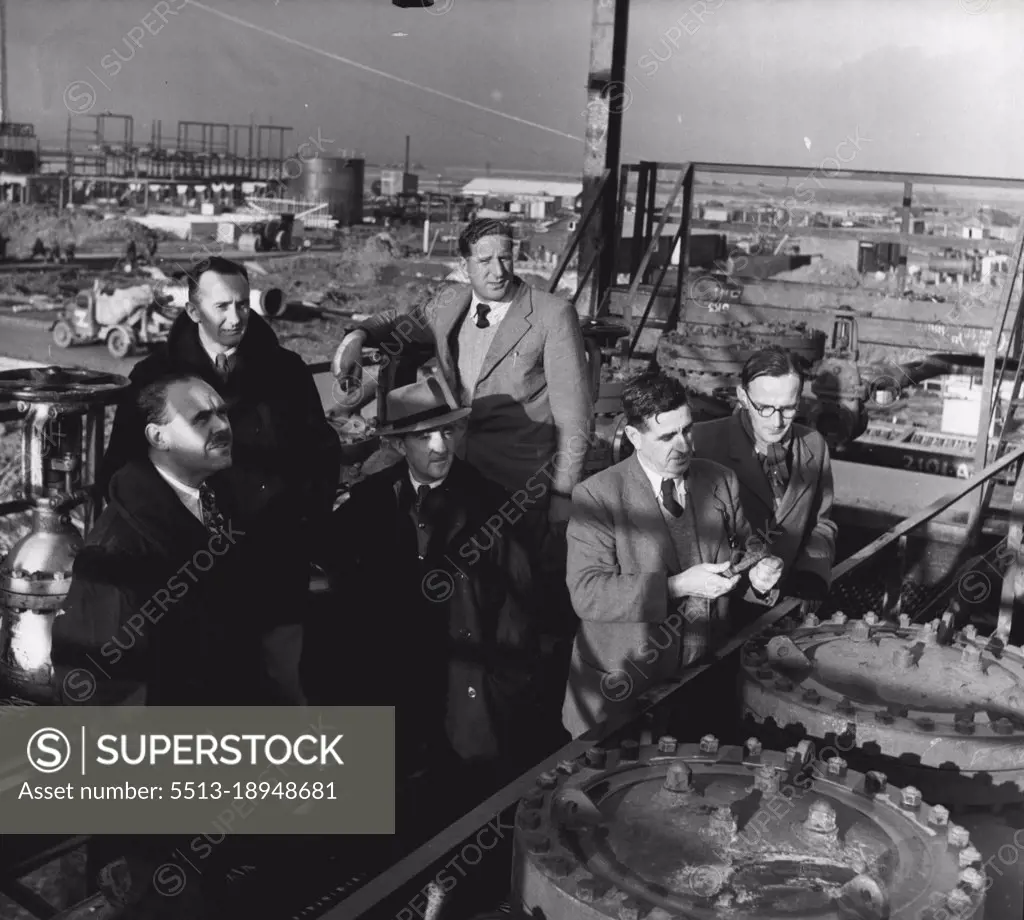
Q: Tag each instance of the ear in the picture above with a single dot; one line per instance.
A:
(633, 435)
(155, 436)
(395, 444)
(192, 311)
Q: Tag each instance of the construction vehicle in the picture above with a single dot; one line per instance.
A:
(124, 319)
(274, 234)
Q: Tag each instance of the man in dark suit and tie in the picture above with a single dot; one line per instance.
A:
(651, 542)
(784, 472)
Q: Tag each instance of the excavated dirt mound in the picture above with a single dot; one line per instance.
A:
(22, 224)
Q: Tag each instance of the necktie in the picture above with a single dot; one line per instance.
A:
(223, 365)
(481, 316)
(776, 468)
(421, 494)
(668, 497)
(212, 516)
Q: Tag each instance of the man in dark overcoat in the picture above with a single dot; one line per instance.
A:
(446, 634)
(286, 457)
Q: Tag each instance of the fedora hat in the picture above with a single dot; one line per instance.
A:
(420, 406)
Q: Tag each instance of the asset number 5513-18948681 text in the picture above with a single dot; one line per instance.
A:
(289, 791)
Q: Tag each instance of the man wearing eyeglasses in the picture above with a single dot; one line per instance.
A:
(784, 471)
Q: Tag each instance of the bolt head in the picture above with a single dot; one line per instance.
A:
(904, 621)
(972, 879)
(667, 744)
(969, 856)
(871, 618)
(939, 816)
(839, 618)
(810, 621)
(1002, 726)
(753, 747)
(911, 797)
(679, 778)
(875, 782)
(970, 631)
(568, 767)
(547, 780)
(903, 658)
(958, 901)
(861, 631)
(957, 836)
(821, 817)
(709, 744)
(836, 766)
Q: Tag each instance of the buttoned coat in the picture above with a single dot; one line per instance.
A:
(620, 559)
(532, 398)
(802, 532)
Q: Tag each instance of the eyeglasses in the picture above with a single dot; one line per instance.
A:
(787, 412)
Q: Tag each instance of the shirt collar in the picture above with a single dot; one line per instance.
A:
(213, 348)
(655, 480)
(430, 485)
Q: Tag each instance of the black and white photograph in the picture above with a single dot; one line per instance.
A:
(526, 459)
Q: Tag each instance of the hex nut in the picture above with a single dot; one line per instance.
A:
(547, 780)
(939, 816)
(911, 797)
(957, 836)
(839, 618)
(667, 744)
(861, 631)
(970, 659)
(836, 766)
(784, 684)
(811, 621)
(871, 618)
(875, 782)
(753, 747)
(958, 901)
(969, 856)
(904, 621)
(709, 744)
(765, 673)
(972, 879)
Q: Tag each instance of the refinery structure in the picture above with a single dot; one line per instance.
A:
(870, 765)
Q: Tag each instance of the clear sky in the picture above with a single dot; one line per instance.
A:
(914, 85)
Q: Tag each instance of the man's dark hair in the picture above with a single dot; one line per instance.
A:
(478, 229)
(773, 361)
(151, 400)
(651, 394)
(216, 264)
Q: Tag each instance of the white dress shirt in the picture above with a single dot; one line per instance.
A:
(213, 348)
(655, 479)
(189, 495)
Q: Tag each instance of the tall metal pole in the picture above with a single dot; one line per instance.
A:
(5, 113)
(406, 160)
(608, 97)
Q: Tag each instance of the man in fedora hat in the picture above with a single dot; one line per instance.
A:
(427, 545)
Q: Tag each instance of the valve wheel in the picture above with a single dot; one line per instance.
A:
(53, 384)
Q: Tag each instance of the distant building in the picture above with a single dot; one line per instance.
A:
(714, 214)
(974, 229)
(536, 199)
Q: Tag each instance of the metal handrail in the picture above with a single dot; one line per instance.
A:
(417, 862)
(574, 240)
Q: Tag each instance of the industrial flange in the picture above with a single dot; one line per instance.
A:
(702, 831)
(958, 702)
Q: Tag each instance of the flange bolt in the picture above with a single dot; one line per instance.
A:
(939, 816)
(970, 659)
(972, 879)
(875, 782)
(679, 778)
(821, 818)
(958, 836)
(810, 695)
(836, 766)
(861, 631)
(709, 744)
(970, 631)
(839, 618)
(969, 856)
(911, 797)
(810, 621)
(753, 747)
(667, 744)
(871, 618)
(903, 658)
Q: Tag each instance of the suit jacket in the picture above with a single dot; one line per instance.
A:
(802, 533)
(620, 558)
(532, 399)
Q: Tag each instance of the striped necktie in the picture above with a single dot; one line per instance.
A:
(212, 516)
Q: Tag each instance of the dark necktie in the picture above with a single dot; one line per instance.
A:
(776, 468)
(421, 495)
(212, 516)
(668, 497)
(482, 322)
(223, 365)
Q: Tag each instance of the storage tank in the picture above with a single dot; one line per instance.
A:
(338, 181)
